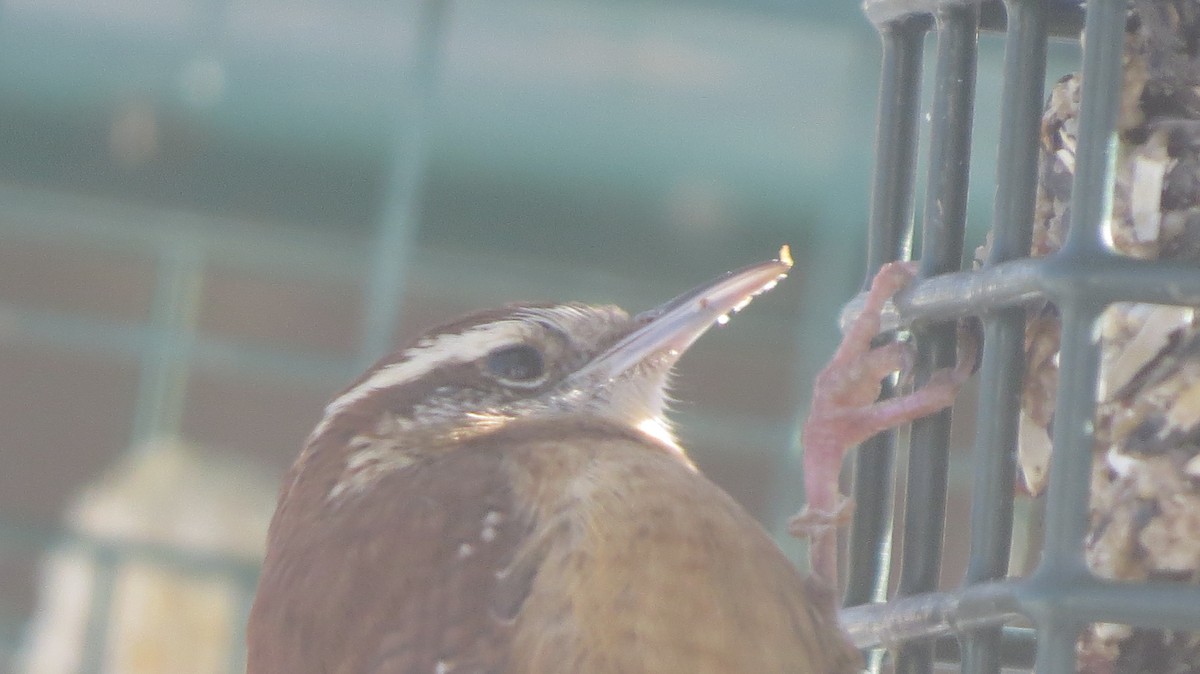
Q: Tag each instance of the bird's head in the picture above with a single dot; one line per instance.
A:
(534, 361)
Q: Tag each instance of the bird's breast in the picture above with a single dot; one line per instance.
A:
(644, 565)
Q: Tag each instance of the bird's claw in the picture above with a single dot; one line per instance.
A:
(846, 411)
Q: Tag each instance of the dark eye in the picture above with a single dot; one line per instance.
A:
(519, 363)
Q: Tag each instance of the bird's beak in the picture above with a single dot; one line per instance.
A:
(665, 332)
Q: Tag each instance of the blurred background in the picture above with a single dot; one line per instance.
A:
(215, 213)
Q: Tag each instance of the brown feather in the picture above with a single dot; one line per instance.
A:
(381, 581)
(611, 553)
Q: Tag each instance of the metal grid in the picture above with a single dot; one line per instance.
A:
(1061, 596)
(167, 347)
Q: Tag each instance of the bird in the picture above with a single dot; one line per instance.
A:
(504, 494)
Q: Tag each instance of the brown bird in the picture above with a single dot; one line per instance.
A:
(504, 495)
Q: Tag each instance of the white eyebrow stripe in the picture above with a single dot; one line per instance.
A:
(428, 354)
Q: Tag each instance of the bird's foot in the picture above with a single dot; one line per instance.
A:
(845, 411)
(820, 527)
(811, 522)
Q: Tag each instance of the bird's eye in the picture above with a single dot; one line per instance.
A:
(518, 363)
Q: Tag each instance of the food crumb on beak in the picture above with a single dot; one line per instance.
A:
(785, 255)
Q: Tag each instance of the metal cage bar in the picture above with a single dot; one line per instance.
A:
(941, 251)
(891, 224)
(1061, 597)
(400, 211)
(1002, 365)
(1084, 250)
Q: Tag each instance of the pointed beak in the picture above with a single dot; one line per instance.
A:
(665, 332)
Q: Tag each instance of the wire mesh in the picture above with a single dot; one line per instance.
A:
(167, 349)
(1061, 596)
